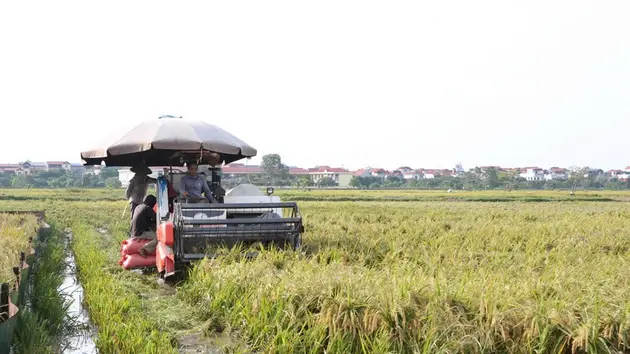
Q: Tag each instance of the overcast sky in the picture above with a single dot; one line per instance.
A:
(353, 83)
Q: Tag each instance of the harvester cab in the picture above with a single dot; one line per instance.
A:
(187, 230)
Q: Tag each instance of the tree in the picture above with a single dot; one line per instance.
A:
(5, 180)
(108, 172)
(113, 182)
(22, 181)
(271, 164)
(355, 182)
(304, 181)
(394, 182)
(492, 178)
(326, 182)
(578, 177)
(366, 182)
(274, 170)
(471, 180)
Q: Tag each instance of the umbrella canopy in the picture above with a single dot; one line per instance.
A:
(167, 141)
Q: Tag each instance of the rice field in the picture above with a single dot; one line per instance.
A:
(433, 277)
(15, 230)
(486, 273)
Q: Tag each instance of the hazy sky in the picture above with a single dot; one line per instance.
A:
(387, 83)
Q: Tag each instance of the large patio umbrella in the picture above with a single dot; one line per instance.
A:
(167, 141)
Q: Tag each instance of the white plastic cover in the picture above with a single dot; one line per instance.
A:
(245, 190)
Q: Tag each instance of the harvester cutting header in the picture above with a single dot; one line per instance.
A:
(186, 226)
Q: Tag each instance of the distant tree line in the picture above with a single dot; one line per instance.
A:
(476, 179)
(107, 178)
(275, 173)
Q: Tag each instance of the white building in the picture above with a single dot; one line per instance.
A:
(93, 170)
(378, 172)
(341, 176)
(621, 175)
(371, 172)
(411, 175)
(58, 165)
(533, 174)
(556, 173)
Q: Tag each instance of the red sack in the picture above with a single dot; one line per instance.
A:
(136, 261)
(132, 245)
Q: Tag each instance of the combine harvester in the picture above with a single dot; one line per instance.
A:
(187, 229)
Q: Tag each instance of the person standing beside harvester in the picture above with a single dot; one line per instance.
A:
(138, 186)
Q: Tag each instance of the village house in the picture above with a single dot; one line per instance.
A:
(379, 172)
(556, 173)
(411, 175)
(593, 172)
(92, 170)
(371, 172)
(364, 172)
(620, 175)
(340, 176)
(533, 174)
(58, 165)
(405, 172)
(11, 168)
(430, 173)
(298, 171)
(448, 173)
(30, 167)
(235, 169)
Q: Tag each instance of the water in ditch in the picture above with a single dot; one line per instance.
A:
(82, 341)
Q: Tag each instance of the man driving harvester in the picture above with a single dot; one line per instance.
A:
(193, 184)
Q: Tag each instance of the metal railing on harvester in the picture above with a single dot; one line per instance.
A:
(200, 225)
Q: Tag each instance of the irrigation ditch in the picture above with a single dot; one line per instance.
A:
(41, 309)
(80, 341)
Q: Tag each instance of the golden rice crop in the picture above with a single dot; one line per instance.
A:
(434, 277)
(14, 233)
(376, 276)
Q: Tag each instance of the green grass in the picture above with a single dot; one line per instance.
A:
(43, 326)
(134, 314)
(115, 305)
(422, 275)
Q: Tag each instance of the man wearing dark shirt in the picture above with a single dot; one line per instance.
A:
(143, 224)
